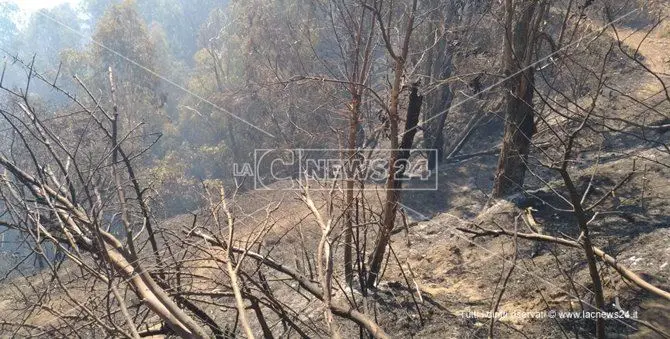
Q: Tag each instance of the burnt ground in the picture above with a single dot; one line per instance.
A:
(457, 274)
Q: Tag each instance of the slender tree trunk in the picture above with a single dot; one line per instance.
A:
(519, 128)
(392, 193)
(391, 199)
(360, 66)
(438, 103)
(413, 110)
(588, 251)
(440, 109)
(438, 140)
(394, 184)
(351, 169)
(518, 49)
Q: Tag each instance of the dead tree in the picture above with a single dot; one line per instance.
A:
(356, 26)
(131, 279)
(521, 31)
(438, 68)
(578, 120)
(392, 194)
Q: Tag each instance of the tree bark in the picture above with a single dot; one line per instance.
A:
(391, 199)
(392, 193)
(588, 251)
(519, 45)
(440, 107)
(351, 168)
(395, 181)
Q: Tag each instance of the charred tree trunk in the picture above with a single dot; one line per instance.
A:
(437, 103)
(519, 111)
(413, 110)
(438, 138)
(439, 114)
(519, 128)
(391, 199)
(392, 193)
(396, 172)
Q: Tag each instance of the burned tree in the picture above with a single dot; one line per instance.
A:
(522, 24)
(399, 59)
(135, 277)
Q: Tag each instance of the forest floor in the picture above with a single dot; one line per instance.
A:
(460, 276)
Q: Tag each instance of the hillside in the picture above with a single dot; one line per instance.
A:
(336, 168)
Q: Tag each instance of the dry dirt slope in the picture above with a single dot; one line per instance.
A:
(458, 274)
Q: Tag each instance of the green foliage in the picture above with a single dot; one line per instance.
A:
(245, 50)
(50, 31)
(180, 19)
(124, 44)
